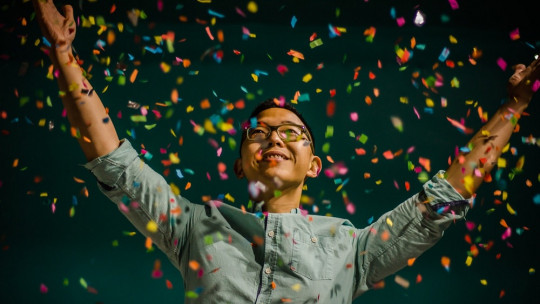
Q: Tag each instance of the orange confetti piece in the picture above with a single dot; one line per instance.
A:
(445, 262)
(133, 75)
(174, 95)
(205, 104)
(410, 261)
(368, 100)
(503, 223)
(273, 284)
(148, 243)
(194, 265)
(295, 54)
(169, 284)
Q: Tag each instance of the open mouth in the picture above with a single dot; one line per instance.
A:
(273, 156)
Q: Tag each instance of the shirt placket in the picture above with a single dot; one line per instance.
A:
(270, 258)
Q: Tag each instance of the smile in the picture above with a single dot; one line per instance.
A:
(274, 156)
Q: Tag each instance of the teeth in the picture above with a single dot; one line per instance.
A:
(273, 156)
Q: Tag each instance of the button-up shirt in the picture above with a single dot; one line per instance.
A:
(229, 255)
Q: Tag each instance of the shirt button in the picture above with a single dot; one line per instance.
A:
(271, 233)
(268, 270)
(314, 239)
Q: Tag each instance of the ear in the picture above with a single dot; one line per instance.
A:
(315, 167)
(238, 168)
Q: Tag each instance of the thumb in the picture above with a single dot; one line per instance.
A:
(68, 11)
(517, 76)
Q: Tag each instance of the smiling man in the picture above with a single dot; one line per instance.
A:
(273, 253)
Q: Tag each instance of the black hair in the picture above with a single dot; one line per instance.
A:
(274, 103)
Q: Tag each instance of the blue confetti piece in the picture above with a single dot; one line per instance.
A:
(303, 97)
(148, 156)
(216, 14)
(428, 110)
(179, 173)
(444, 54)
(243, 89)
(259, 73)
(253, 122)
(370, 220)
(136, 184)
(393, 12)
(536, 199)
(131, 57)
(189, 171)
(293, 21)
(333, 32)
(46, 42)
(74, 201)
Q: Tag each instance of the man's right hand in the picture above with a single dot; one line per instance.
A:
(57, 28)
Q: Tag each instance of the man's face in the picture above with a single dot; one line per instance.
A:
(276, 163)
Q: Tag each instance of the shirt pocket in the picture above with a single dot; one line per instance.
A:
(312, 255)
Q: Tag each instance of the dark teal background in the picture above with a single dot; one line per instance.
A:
(59, 251)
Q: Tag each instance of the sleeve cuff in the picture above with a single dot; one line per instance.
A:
(443, 198)
(108, 168)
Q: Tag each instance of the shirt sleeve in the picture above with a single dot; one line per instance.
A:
(145, 198)
(385, 246)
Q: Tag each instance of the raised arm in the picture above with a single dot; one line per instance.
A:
(86, 114)
(470, 169)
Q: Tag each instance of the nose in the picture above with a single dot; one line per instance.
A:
(274, 139)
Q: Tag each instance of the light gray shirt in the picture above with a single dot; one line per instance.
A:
(229, 255)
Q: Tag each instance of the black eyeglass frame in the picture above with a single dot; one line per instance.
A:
(275, 128)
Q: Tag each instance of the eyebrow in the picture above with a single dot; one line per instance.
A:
(282, 122)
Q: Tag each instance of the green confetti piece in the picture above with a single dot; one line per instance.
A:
(83, 283)
(208, 240)
(326, 147)
(363, 138)
(191, 294)
(329, 132)
(121, 80)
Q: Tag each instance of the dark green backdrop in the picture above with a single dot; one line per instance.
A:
(91, 256)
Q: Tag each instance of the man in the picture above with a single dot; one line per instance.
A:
(272, 253)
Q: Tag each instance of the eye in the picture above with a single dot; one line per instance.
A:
(257, 132)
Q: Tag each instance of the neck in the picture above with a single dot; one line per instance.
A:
(287, 200)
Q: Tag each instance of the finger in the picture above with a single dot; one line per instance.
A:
(68, 11)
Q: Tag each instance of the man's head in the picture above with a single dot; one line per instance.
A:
(277, 147)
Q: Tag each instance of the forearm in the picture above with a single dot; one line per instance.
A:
(87, 116)
(470, 169)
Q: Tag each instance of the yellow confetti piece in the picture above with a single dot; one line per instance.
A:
(255, 77)
(510, 209)
(296, 287)
(483, 282)
(430, 103)
(307, 77)
(173, 157)
(452, 39)
(174, 189)
(252, 7)
(389, 222)
(468, 261)
(152, 226)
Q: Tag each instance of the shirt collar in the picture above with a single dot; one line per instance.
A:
(257, 207)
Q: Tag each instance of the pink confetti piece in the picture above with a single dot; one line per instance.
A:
(43, 289)
(240, 12)
(501, 63)
(536, 85)
(453, 4)
(506, 234)
(219, 151)
(354, 116)
(470, 225)
(209, 33)
(351, 208)
(416, 112)
(514, 35)
(400, 21)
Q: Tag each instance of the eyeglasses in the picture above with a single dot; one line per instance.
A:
(287, 132)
